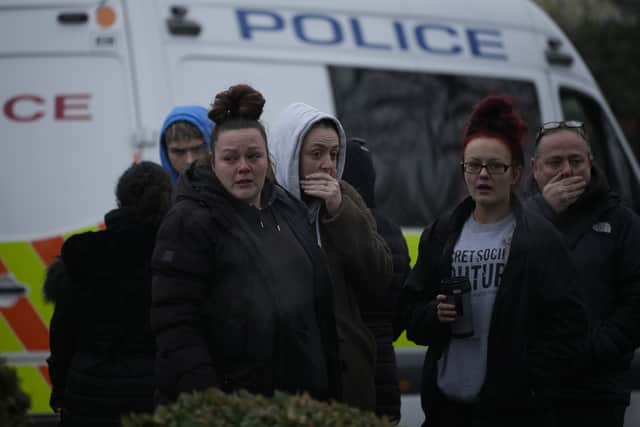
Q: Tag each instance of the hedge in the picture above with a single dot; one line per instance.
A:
(213, 408)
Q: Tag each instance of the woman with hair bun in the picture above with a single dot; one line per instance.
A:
(241, 293)
(525, 322)
(102, 347)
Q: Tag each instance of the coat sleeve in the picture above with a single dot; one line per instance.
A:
(615, 338)
(181, 263)
(401, 269)
(364, 253)
(558, 324)
(417, 306)
(62, 331)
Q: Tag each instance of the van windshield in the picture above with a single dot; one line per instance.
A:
(605, 145)
(413, 124)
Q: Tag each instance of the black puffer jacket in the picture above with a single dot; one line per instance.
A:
(378, 315)
(102, 348)
(378, 311)
(604, 239)
(538, 326)
(221, 316)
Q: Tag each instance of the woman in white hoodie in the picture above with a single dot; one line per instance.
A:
(309, 149)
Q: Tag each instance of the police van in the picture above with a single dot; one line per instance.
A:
(86, 85)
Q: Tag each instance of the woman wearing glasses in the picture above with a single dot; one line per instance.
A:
(527, 321)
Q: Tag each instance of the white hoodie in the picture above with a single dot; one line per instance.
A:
(286, 140)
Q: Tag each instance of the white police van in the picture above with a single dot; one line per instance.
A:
(86, 85)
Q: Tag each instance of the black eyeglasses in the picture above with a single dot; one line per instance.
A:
(567, 124)
(493, 167)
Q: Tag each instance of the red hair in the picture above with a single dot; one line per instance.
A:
(496, 117)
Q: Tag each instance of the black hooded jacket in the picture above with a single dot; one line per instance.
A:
(102, 348)
(379, 312)
(603, 237)
(226, 312)
(538, 325)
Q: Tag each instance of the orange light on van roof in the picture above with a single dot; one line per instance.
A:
(105, 16)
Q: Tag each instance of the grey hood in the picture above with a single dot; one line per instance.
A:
(286, 139)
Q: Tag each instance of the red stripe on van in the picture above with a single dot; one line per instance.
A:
(27, 325)
(48, 249)
(44, 370)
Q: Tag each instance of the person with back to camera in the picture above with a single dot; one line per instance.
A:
(185, 137)
(604, 239)
(102, 347)
(242, 297)
(378, 313)
(309, 149)
(523, 326)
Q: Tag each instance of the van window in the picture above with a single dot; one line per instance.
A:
(413, 123)
(605, 144)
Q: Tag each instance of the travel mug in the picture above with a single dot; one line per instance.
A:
(458, 292)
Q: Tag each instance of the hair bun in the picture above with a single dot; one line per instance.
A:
(238, 102)
(497, 115)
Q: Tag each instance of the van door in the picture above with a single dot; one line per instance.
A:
(67, 117)
(609, 147)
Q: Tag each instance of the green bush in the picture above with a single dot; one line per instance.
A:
(14, 403)
(213, 408)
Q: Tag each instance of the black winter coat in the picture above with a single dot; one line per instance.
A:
(538, 325)
(378, 314)
(102, 348)
(361, 268)
(219, 313)
(604, 239)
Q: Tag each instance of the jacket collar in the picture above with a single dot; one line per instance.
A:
(580, 217)
(462, 212)
(200, 184)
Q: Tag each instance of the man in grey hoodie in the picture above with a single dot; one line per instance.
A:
(309, 149)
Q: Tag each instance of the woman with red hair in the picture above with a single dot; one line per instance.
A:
(524, 318)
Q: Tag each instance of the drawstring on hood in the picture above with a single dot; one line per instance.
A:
(194, 114)
(286, 139)
(259, 213)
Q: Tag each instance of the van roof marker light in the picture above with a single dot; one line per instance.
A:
(105, 16)
(179, 25)
(72, 18)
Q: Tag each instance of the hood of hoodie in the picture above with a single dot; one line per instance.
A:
(359, 171)
(194, 114)
(286, 138)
